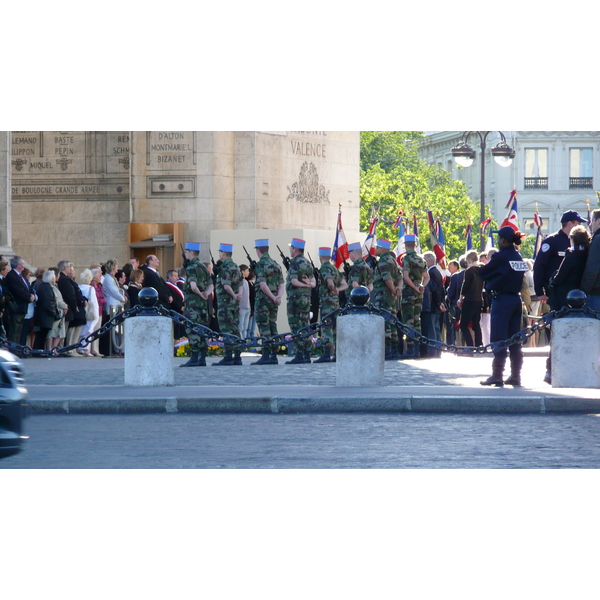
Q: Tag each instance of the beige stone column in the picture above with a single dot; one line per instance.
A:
(5, 191)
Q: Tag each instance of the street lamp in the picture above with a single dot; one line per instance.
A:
(464, 155)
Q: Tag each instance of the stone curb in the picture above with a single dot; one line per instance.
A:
(450, 404)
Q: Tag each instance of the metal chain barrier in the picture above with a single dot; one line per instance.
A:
(258, 342)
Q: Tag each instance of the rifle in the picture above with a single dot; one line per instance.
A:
(186, 262)
(216, 268)
(346, 269)
(316, 272)
(251, 261)
(285, 259)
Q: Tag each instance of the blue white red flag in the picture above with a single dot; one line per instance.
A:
(369, 245)
(512, 218)
(339, 252)
(435, 242)
(400, 249)
(469, 237)
(396, 225)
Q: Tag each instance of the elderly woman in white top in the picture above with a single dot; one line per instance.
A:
(89, 294)
(112, 292)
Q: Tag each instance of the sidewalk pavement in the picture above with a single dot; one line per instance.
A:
(446, 385)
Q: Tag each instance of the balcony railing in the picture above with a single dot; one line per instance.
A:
(581, 183)
(536, 183)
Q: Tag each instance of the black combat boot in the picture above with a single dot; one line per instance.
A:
(273, 357)
(265, 359)
(226, 360)
(194, 361)
(497, 371)
(202, 359)
(307, 357)
(237, 357)
(297, 360)
(412, 352)
(324, 358)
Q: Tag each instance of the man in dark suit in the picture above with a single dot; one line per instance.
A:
(152, 278)
(21, 293)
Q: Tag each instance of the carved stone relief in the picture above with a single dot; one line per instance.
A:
(307, 188)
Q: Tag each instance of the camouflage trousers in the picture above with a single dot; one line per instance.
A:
(265, 313)
(298, 312)
(411, 313)
(328, 333)
(198, 315)
(387, 301)
(229, 321)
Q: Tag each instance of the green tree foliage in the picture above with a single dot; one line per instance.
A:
(394, 177)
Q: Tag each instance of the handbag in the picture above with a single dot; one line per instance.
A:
(90, 313)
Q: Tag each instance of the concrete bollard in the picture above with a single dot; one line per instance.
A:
(576, 352)
(360, 350)
(149, 351)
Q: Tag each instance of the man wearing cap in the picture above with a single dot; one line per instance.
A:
(416, 277)
(590, 281)
(387, 287)
(269, 288)
(299, 283)
(229, 294)
(197, 288)
(331, 284)
(547, 261)
(360, 272)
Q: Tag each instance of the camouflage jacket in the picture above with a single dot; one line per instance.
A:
(229, 274)
(415, 266)
(329, 271)
(269, 271)
(387, 269)
(360, 272)
(198, 273)
(300, 268)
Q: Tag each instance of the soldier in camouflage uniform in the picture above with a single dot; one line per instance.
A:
(416, 276)
(330, 285)
(269, 291)
(229, 294)
(387, 286)
(360, 272)
(299, 283)
(197, 288)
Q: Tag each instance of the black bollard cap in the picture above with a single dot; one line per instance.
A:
(576, 299)
(359, 296)
(148, 297)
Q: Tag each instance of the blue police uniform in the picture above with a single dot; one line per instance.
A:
(504, 277)
(547, 261)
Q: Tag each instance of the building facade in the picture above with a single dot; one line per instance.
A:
(553, 171)
(88, 196)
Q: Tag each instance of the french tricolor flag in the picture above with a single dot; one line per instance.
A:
(512, 218)
(339, 252)
(369, 245)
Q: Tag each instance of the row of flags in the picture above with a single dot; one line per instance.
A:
(436, 234)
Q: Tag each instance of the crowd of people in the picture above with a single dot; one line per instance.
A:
(479, 298)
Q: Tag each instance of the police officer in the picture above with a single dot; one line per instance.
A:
(269, 291)
(229, 294)
(298, 286)
(196, 291)
(416, 277)
(331, 284)
(547, 261)
(387, 287)
(361, 273)
(503, 275)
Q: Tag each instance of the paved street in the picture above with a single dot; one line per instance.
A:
(317, 441)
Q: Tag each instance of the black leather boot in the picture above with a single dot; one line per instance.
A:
(265, 359)
(497, 371)
(297, 360)
(324, 358)
(194, 361)
(273, 357)
(237, 357)
(226, 360)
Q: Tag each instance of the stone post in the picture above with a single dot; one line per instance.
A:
(149, 351)
(576, 352)
(5, 195)
(360, 350)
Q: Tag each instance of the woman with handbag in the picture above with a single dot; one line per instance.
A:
(47, 311)
(91, 309)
